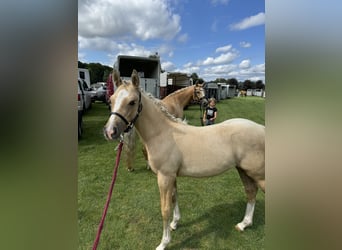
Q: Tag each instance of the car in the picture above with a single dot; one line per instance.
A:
(92, 92)
(86, 94)
(99, 91)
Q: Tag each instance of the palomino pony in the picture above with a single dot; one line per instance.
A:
(174, 150)
(178, 100)
(175, 104)
(243, 93)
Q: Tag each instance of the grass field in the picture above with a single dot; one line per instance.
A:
(210, 207)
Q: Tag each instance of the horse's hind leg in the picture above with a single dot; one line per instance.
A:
(144, 151)
(129, 148)
(251, 189)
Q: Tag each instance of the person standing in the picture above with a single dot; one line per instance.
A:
(110, 89)
(210, 112)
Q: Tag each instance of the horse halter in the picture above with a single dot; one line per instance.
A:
(194, 96)
(131, 123)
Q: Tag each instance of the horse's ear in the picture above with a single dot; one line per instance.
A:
(135, 78)
(116, 78)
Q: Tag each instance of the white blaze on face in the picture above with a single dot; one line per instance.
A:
(121, 96)
(110, 124)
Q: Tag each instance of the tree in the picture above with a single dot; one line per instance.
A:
(106, 71)
(194, 77)
(97, 71)
(221, 80)
(82, 65)
(248, 84)
(259, 84)
(233, 81)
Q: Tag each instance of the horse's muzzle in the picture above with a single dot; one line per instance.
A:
(204, 102)
(110, 134)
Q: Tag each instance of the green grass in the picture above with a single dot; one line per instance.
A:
(210, 207)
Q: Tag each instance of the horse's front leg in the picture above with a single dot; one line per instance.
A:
(166, 186)
(176, 213)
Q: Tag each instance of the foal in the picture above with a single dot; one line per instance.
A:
(174, 150)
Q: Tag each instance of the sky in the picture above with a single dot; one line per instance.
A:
(213, 38)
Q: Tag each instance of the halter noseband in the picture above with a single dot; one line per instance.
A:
(130, 124)
(194, 95)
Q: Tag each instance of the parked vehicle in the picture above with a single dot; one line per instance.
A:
(92, 92)
(80, 101)
(101, 93)
(148, 70)
(84, 74)
(86, 94)
(99, 90)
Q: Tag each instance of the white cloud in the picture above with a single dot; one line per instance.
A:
(168, 66)
(224, 48)
(107, 45)
(126, 19)
(245, 64)
(97, 43)
(254, 73)
(220, 69)
(81, 56)
(104, 44)
(189, 69)
(222, 59)
(249, 22)
(259, 68)
(188, 65)
(245, 44)
(183, 38)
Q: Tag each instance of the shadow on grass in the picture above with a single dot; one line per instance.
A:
(225, 214)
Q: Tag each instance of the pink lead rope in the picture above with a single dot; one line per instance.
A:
(96, 242)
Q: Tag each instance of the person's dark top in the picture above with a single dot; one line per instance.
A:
(210, 112)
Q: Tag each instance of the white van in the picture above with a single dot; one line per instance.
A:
(85, 94)
(84, 74)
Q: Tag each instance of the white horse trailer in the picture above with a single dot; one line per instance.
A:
(148, 69)
(231, 91)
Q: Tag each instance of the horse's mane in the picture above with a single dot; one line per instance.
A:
(164, 110)
(178, 91)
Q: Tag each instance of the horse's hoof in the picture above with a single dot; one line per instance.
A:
(130, 169)
(173, 227)
(238, 228)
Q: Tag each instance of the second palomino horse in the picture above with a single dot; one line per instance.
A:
(174, 150)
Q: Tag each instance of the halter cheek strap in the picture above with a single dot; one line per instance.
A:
(130, 124)
(194, 95)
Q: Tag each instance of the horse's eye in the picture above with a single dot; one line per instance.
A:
(132, 103)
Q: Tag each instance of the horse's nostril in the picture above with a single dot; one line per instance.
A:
(109, 133)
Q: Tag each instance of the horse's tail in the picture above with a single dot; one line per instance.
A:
(129, 148)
